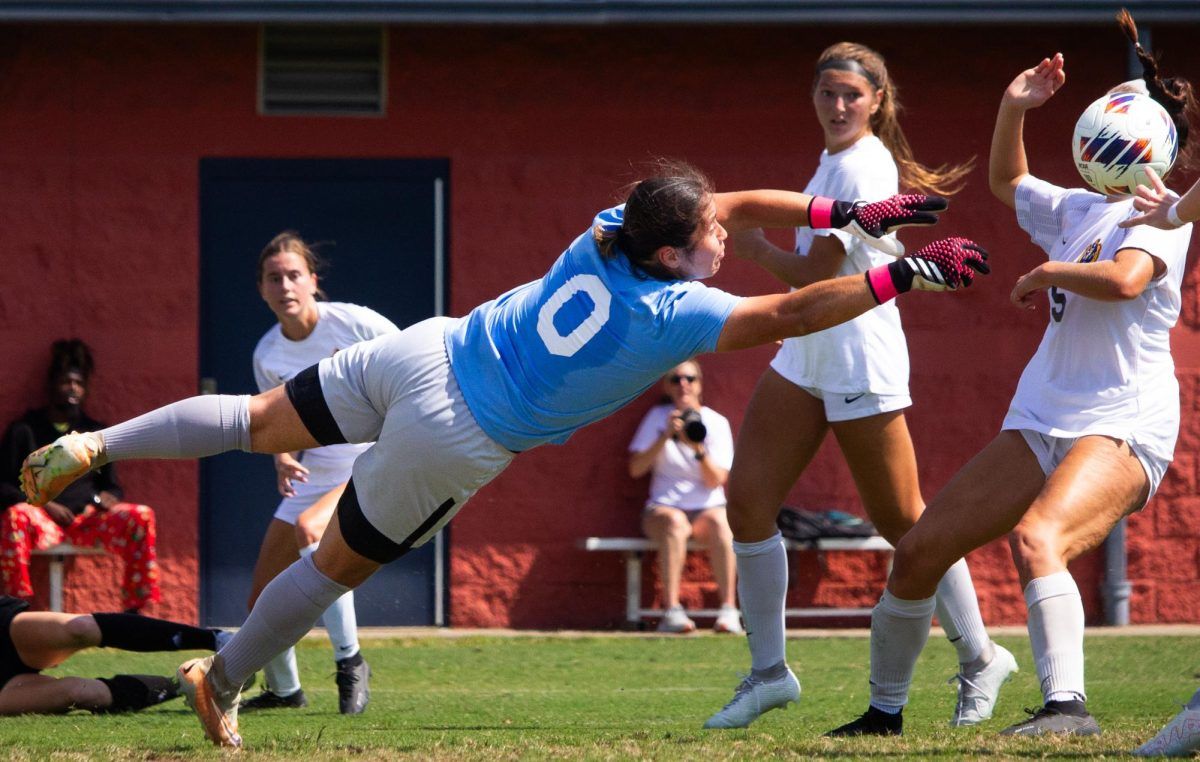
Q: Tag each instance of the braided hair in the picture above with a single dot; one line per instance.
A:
(67, 355)
(1175, 94)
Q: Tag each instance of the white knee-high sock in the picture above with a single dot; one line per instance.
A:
(282, 674)
(762, 592)
(287, 608)
(1056, 635)
(958, 613)
(191, 428)
(340, 620)
(899, 629)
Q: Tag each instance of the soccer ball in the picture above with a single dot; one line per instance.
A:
(1118, 136)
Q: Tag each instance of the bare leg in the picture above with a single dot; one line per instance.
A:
(42, 694)
(712, 529)
(879, 452)
(45, 639)
(670, 529)
(277, 552)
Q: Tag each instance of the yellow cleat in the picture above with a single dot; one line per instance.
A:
(217, 711)
(48, 470)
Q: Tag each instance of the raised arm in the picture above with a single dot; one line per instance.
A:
(1162, 207)
(941, 266)
(1007, 164)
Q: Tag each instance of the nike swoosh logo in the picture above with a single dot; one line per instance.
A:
(955, 640)
(855, 398)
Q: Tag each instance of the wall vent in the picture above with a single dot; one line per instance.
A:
(324, 70)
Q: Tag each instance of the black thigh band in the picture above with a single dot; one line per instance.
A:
(304, 390)
(368, 541)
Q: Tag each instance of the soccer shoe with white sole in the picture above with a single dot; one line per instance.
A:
(1180, 738)
(353, 684)
(979, 689)
(217, 710)
(675, 619)
(729, 620)
(753, 698)
(48, 470)
(1051, 721)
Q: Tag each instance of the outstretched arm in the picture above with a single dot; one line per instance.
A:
(941, 266)
(1007, 165)
(825, 256)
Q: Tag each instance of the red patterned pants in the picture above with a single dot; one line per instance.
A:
(126, 530)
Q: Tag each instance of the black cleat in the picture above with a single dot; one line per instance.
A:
(1068, 718)
(353, 682)
(873, 722)
(268, 700)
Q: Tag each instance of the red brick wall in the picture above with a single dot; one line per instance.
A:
(103, 127)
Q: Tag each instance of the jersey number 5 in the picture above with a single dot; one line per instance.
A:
(1058, 304)
(566, 346)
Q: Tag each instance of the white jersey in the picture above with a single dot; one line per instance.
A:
(676, 480)
(277, 359)
(1102, 367)
(868, 353)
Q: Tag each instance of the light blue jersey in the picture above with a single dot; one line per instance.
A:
(554, 355)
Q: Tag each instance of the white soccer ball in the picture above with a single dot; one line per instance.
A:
(1118, 136)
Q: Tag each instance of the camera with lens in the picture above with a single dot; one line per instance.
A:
(693, 426)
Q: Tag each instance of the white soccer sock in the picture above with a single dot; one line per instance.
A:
(762, 592)
(287, 609)
(899, 629)
(282, 674)
(958, 613)
(192, 428)
(340, 620)
(1056, 635)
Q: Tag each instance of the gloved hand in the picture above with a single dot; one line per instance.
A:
(874, 220)
(940, 266)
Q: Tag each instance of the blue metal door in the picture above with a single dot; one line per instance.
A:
(383, 226)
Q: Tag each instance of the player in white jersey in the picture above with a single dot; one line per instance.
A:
(450, 402)
(851, 379)
(1087, 437)
(308, 331)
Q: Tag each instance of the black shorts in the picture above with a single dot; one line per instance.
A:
(10, 662)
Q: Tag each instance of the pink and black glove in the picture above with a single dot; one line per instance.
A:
(872, 221)
(940, 266)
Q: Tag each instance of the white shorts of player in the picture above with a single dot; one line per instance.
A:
(307, 494)
(398, 391)
(840, 406)
(1050, 451)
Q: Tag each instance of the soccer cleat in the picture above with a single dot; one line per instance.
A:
(873, 722)
(1179, 738)
(218, 711)
(354, 684)
(729, 620)
(269, 700)
(48, 470)
(1051, 720)
(675, 619)
(753, 698)
(978, 690)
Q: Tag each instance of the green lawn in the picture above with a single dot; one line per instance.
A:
(536, 697)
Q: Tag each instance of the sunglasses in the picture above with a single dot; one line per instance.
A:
(678, 378)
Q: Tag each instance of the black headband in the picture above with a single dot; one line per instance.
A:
(850, 65)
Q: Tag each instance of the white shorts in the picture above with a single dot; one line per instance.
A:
(840, 406)
(307, 494)
(429, 456)
(1050, 451)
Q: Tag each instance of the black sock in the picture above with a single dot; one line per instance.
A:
(132, 632)
(131, 693)
(1072, 708)
(351, 661)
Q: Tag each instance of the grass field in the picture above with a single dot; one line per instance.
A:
(614, 698)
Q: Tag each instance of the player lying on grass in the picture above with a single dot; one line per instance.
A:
(450, 402)
(1088, 435)
(31, 641)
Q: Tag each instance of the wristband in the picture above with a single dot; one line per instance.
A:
(1173, 215)
(883, 287)
(820, 212)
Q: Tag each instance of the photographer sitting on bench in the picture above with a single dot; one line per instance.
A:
(689, 449)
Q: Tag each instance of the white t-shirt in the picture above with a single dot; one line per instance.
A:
(277, 359)
(868, 353)
(1102, 367)
(675, 480)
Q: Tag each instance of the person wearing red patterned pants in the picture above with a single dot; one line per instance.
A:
(92, 512)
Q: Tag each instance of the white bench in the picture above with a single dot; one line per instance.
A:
(635, 547)
(57, 554)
